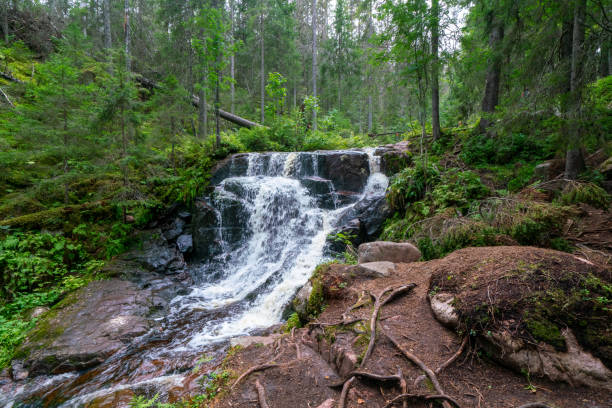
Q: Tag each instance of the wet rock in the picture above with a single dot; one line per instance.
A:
(374, 269)
(176, 229)
(300, 302)
(185, 215)
(443, 309)
(574, 366)
(388, 251)
(155, 254)
(348, 170)
(184, 243)
(87, 327)
(351, 230)
(246, 341)
(204, 231)
(346, 197)
(321, 189)
(18, 371)
(234, 165)
(372, 211)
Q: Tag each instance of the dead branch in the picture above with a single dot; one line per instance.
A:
(11, 78)
(417, 361)
(377, 305)
(535, 405)
(407, 397)
(345, 390)
(251, 370)
(7, 98)
(261, 394)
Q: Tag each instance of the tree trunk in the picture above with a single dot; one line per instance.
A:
(435, 91)
(262, 78)
(202, 114)
(370, 124)
(574, 161)
(491, 95)
(232, 87)
(108, 43)
(217, 103)
(5, 28)
(126, 30)
(314, 62)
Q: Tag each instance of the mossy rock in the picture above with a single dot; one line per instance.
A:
(533, 293)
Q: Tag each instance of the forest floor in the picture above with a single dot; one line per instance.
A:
(312, 375)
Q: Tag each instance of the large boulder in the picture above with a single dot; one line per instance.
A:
(393, 158)
(86, 328)
(534, 310)
(388, 251)
(348, 170)
(234, 165)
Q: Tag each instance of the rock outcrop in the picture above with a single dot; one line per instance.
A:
(86, 328)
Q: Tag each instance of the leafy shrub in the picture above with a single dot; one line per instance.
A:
(505, 148)
(411, 184)
(458, 189)
(522, 177)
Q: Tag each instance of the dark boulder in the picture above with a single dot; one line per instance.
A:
(393, 158)
(321, 189)
(176, 228)
(154, 253)
(348, 170)
(234, 165)
(184, 243)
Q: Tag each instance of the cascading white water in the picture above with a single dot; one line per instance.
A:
(285, 236)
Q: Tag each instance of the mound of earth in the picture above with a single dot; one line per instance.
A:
(337, 360)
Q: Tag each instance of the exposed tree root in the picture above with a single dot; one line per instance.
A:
(360, 302)
(261, 395)
(377, 305)
(397, 378)
(447, 362)
(407, 397)
(251, 370)
(313, 325)
(345, 390)
(535, 405)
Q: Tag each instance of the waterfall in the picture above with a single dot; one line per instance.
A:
(273, 230)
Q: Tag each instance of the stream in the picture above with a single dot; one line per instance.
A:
(264, 230)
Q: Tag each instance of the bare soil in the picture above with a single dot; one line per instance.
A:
(472, 380)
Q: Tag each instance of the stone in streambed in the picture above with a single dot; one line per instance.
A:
(184, 243)
(388, 251)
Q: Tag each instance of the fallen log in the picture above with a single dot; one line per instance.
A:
(195, 101)
(11, 78)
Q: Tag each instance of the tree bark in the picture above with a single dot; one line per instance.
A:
(262, 69)
(574, 161)
(435, 91)
(232, 87)
(5, 28)
(126, 30)
(202, 114)
(491, 95)
(314, 62)
(108, 43)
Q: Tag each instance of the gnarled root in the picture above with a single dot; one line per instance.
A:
(407, 397)
(261, 395)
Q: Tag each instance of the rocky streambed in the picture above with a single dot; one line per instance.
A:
(228, 267)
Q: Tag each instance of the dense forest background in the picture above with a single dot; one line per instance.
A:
(112, 112)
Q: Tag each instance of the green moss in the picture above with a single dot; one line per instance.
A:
(544, 330)
(316, 300)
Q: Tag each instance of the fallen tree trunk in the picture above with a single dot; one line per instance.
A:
(230, 117)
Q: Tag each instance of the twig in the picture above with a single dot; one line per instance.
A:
(251, 370)
(406, 397)
(432, 376)
(261, 394)
(345, 390)
(380, 303)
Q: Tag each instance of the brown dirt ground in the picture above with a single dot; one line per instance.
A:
(472, 380)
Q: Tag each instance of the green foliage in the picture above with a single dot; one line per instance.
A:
(411, 184)
(587, 193)
(276, 93)
(504, 148)
(293, 322)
